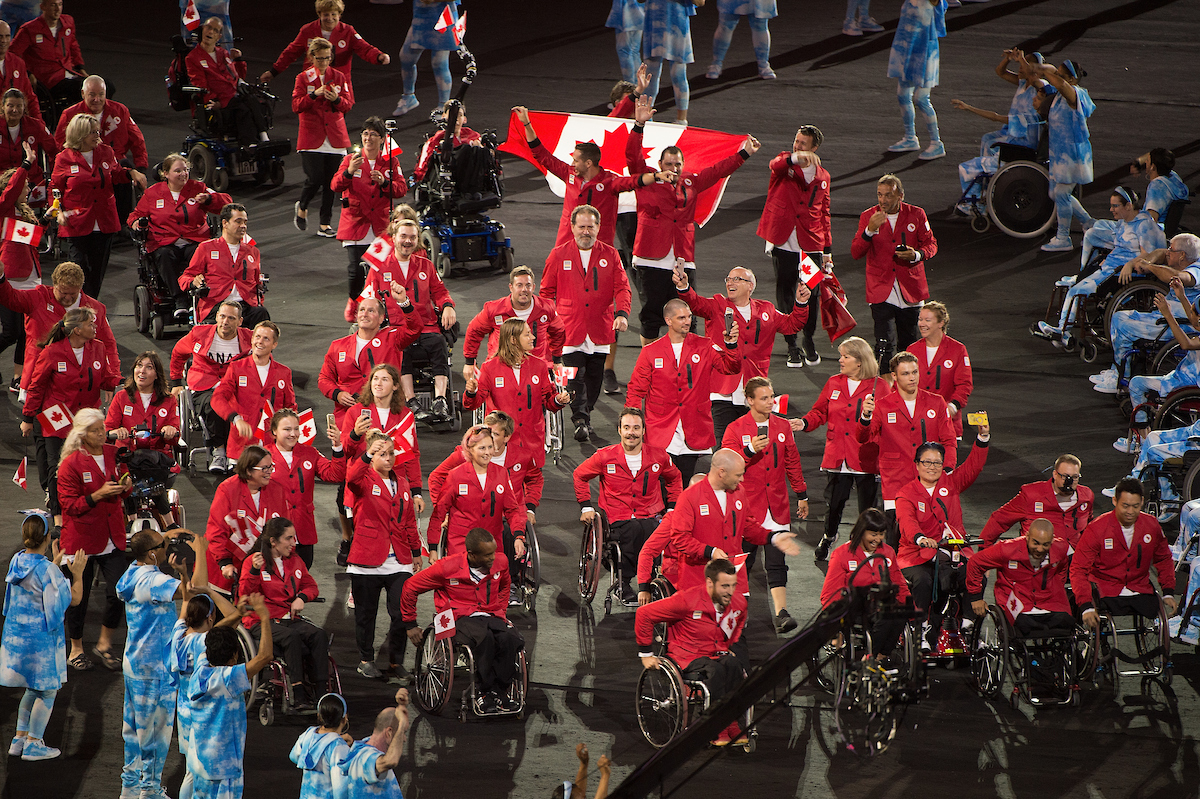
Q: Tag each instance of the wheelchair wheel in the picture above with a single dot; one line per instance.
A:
(433, 672)
(660, 704)
(589, 559)
(866, 720)
(1137, 296)
(1169, 356)
(203, 163)
(1018, 199)
(989, 654)
(980, 223)
(278, 172)
(1191, 483)
(554, 434)
(1088, 352)
(157, 327)
(1179, 409)
(533, 567)
(249, 648)
(142, 309)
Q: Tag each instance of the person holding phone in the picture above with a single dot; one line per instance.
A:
(298, 467)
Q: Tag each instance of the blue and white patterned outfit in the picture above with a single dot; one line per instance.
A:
(218, 731)
(187, 653)
(1186, 550)
(1024, 128)
(1160, 445)
(1160, 193)
(627, 18)
(1142, 233)
(758, 12)
(150, 686)
(914, 59)
(1185, 375)
(668, 37)
(1070, 156)
(421, 36)
(317, 753)
(1130, 327)
(355, 777)
(206, 9)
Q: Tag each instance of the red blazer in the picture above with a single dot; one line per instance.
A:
(523, 399)
(465, 136)
(524, 476)
(87, 191)
(365, 203)
(624, 108)
(455, 589)
(217, 74)
(756, 335)
(1038, 501)
(600, 192)
(33, 131)
(382, 520)
(469, 506)
(16, 76)
(205, 372)
(661, 542)
(794, 204)
(844, 562)
(674, 393)
(695, 629)
(42, 311)
(548, 331)
(698, 527)
(1018, 586)
(667, 211)
(241, 393)
(226, 545)
(343, 371)
(320, 118)
(574, 293)
(346, 42)
(356, 446)
(89, 525)
(919, 513)
(770, 472)
(222, 273)
(128, 412)
(425, 289)
(299, 482)
(1102, 557)
(949, 376)
(840, 410)
(48, 57)
(171, 219)
(624, 495)
(17, 260)
(60, 379)
(883, 269)
(117, 130)
(898, 435)
(279, 588)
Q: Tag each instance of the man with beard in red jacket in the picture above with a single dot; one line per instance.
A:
(1061, 500)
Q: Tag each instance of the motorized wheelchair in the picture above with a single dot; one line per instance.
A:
(1042, 669)
(153, 300)
(271, 688)
(1016, 198)
(440, 660)
(153, 476)
(214, 155)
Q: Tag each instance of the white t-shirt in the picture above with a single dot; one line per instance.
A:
(234, 249)
(359, 343)
(523, 315)
(482, 479)
(146, 397)
(287, 456)
(721, 499)
(912, 407)
(384, 413)
(222, 351)
(262, 371)
(634, 462)
(666, 262)
(737, 397)
(78, 354)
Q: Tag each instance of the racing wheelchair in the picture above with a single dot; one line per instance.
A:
(1042, 669)
(213, 153)
(440, 660)
(271, 688)
(1016, 197)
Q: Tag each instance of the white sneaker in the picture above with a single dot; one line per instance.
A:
(909, 144)
(714, 70)
(1049, 331)
(869, 25)
(1129, 445)
(407, 103)
(851, 29)
(350, 600)
(1103, 376)
(17, 746)
(1058, 244)
(1111, 493)
(1066, 281)
(1108, 386)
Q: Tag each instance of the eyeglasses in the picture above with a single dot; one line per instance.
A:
(931, 463)
(736, 280)
(1062, 476)
(322, 58)
(267, 469)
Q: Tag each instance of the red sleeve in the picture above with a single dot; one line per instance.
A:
(217, 531)
(326, 379)
(1004, 517)
(965, 383)
(45, 140)
(624, 108)
(302, 101)
(793, 322)
(180, 354)
(441, 509)
(58, 177)
(137, 146)
(710, 309)
(429, 579)
(926, 243)
(949, 439)
(979, 564)
(535, 482)
(861, 244)
(76, 53)
(583, 474)
(437, 478)
(969, 471)
(549, 289)
(906, 519)
(71, 496)
(791, 464)
(622, 296)
(554, 166)
(412, 471)
(16, 184)
(836, 577)
(362, 48)
(251, 579)
(409, 530)
(224, 397)
(655, 545)
(112, 420)
(340, 182)
(514, 512)
(819, 413)
(671, 609)
(439, 292)
(709, 176)
(639, 382)
(140, 211)
(674, 480)
(35, 394)
(727, 360)
(195, 267)
(681, 531)
(477, 331)
(345, 100)
(308, 586)
(633, 153)
(290, 53)
(331, 470)
(557, 331)
(21, 301)
(1086, 550)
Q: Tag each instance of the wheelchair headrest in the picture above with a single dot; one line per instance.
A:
(179, 45)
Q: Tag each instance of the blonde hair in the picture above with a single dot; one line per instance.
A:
(84, 419)
(508, 348)
(336, 6)
(68, 274)
(860, 350)
(79, 128)
(399, 221)
(318, 44)
(938, 309)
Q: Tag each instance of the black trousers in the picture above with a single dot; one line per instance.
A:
(895, 329)
(922, 581)
(366, 588)
(319, 171)
(112, 566)
(494, 645)
(1042, 624)
(724, 414)
(91, 253)
(13, 333)
(631, 534)
(885, 635)
(626, 234)
(244, 115)
(218, 427)
(251, 315)
(720, 675)
(773, 561)
(686, 464)
(1139, 604)
(659, 288)
(305, 649)
(172, 261)
(837, 493)
(356, 275)
(787, 276)
(46, 452)
(585, 385)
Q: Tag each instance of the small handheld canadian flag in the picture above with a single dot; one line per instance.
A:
(248, 240)
(780, 404)
(308, 428)
(460, 28)
(443, 624)
(564, 373)
(19, 477)
(378, 252)
(368, 293)
(54, 419)
(446, 19)
(191, 17)
(810, 273)
(263, 431)
(22, 232)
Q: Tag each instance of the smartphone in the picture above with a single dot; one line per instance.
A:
(977, 419)
(365, 413)
(728, 321)
(329, 421)
(901, 247)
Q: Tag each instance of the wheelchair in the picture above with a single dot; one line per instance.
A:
(455, 230)
(1181, 474)
(423, 388)
(666, 702)
(152, 479)
(1016, 198)
(554, 430)
(214, 155)
(530, 569)
(153, 300)
(599, 550)
(1147, 655)
(438, 661)
(1043, 669)
(272, 688)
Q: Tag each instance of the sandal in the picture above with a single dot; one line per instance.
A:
(110, 661)
(81, 663)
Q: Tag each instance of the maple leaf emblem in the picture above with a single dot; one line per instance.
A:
(23, 231)
(56, 417)
(306, 431)
(612, 150)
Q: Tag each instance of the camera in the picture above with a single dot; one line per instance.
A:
(179, 549)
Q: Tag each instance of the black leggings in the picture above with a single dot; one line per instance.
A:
(895, 329)
(366, 588)
(787, 275)
(725, 413)
(837, 493)
(112, 566)
(659, 288)
(585, 385)
(774, 563)
(319, 170)
(686, 464)
(46, 453)
(356, 275)
(91, 253)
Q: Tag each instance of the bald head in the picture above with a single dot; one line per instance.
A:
(1039, 538)
(386, 720)
(726, 471)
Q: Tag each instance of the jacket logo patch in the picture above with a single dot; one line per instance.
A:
(921, 507)
(127, 411)
(949, 364)
(703, 510)
(1108, 543)
(308, 465)
(1012, 564)
(966, 361)
(266, 577)
(534, 379)
(160, 203)
(931, 413)
(781, 438)
(891, 418)
(566, 266)
(766, 317)
(499, 382)
(499, 320)
(462, 489)
(213, 255)
(162, 412)
(943, 492)
(835, 395)
(911, 227)
(695, 357)
(281, 384)
(242, 383)
(654, 468)
(604, 262)
(376, 491)
(1037, 507)
(87, 477)
(612, 468)
(499, 489)
(737, 504)
(658, 363)
(422, 275)
(1146, 538)
(697, 614)
(342, 357)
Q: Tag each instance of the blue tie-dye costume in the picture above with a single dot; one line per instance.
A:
(187, 653)
(627, 18)
(757, 13)
(355, 777)
(668, 37)
(218, 731)
(317, 753)
(915, 62)
(1070, 156)
(1160, 193)
(1024, 128)
(1130, 327)
(1186, 550)
(422, 36)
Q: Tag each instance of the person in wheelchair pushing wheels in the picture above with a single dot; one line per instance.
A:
(471, 598)
(1031, 573)
(705, 621)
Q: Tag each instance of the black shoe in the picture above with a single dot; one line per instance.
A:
(583, 431)
(399, 676)
(488, 703)
(507, 704)
(15, 386)
(784, 623)
(440, 410)
(795, 359)
(810, 351)
(611, 386)
(343, 554)
(822, 551)
(300, 221)
(414, 405)
(515, 597)
(629, 597)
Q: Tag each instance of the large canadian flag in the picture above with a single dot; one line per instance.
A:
(54, 419)
(244, 531)
(22, 232)
(561, 132)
